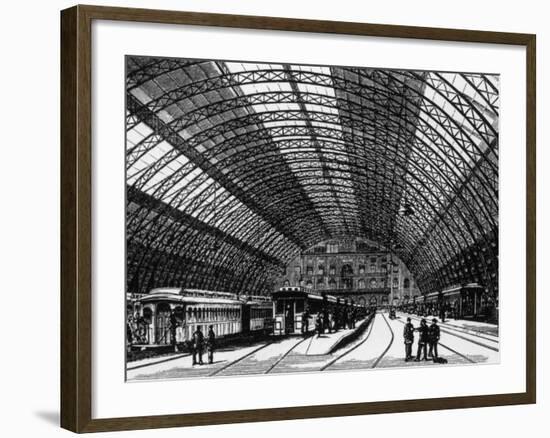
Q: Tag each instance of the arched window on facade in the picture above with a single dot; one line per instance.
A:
(361, 284)
(372, 283)
(332, 284)
(406, 283)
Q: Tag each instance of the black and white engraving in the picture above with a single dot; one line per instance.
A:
(286, 218)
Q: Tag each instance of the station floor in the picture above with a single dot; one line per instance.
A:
(380, 345)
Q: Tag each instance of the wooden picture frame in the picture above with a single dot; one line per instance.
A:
(76, 217)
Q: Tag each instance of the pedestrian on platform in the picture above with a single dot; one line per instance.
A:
(408, 337)
(173, 327)
(352, 317)
(319, 324)
(211, 343)
(326, 322)
(198, 345)
(422, 341)
(434, 335)
(345, 320)
(442, 313)
(305, 322)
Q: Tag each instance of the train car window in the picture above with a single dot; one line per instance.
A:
(147, 315)
(279, 306)
(299, 306)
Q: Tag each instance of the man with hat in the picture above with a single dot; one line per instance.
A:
(423, 339)
(408, 336)
(433, 337)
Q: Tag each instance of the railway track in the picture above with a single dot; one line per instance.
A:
(389, 344)
(282, 357)
(454, 332)
(355, 347)
(452, 350)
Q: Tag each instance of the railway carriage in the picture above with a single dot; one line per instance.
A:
(257, 315)
(171, 315)
(290, 303)
(461, 302)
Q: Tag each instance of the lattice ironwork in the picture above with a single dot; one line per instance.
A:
(235, 168)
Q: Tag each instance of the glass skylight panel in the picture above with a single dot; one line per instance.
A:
(316, 89)
(265, 87)
(284, 123)
(147, 159)
(140, 95)
(328, 125)
(236, 67)
(328, 109)
(137, 133)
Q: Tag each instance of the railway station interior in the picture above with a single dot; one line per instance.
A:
(303, 213)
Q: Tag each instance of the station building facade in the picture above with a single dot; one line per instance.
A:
(354, 269)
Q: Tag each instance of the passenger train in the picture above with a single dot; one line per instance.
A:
(291, 303)
(461, 302)
(171, 315)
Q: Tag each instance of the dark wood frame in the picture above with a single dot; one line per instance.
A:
(76, 222)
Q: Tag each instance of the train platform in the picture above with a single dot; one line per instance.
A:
(328, 342)
(473, 327)
(377, 344)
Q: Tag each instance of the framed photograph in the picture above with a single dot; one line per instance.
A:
(269, 218)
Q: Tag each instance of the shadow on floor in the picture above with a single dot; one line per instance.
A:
(51, 417)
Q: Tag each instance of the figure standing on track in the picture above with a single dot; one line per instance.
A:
(434, 335)
(422, 341)
(211, 343)
(408, 337)
(198, 345)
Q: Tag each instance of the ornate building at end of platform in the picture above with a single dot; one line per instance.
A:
(356, 269)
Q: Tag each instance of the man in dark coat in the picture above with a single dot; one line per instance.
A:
(423, 339)
(305, 322)
(434, 335)
(173, 327)
(319, 324)
(198, 345)
(408, 337)
(211, 343)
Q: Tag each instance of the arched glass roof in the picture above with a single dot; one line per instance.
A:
(234, 168)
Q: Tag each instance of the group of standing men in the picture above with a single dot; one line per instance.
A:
(199, 343)
(428, 335)
(334, 321)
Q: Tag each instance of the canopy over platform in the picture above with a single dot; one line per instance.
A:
(233, 169)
